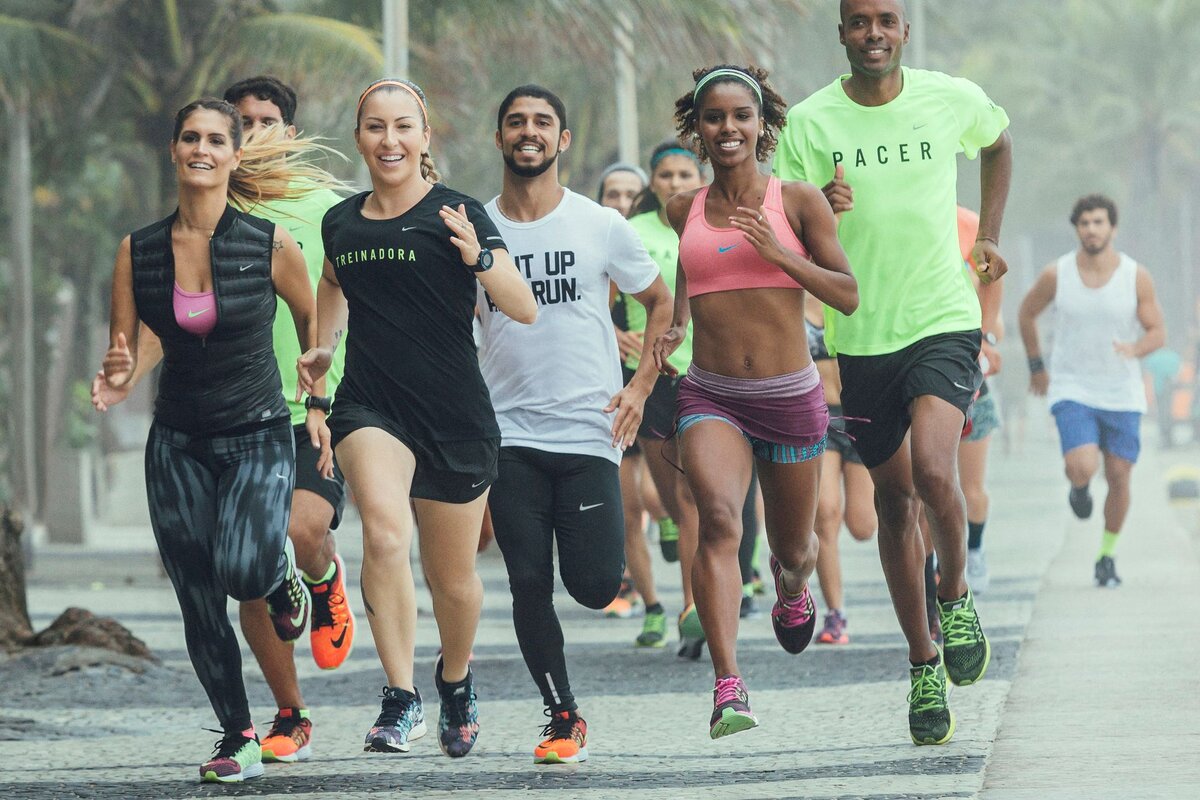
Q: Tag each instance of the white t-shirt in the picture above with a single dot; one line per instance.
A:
(551, 380)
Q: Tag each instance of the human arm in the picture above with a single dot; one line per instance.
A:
(1040, 296)
(995, 175)
(630, 401)
(827, 274)
(992, 324)
(1150, 315)
(149, 353)
(681, 313)
(121, 359)
(503, 282)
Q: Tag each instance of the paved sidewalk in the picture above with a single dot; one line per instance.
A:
(833, 718)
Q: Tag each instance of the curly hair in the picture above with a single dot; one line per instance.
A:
(772, 109)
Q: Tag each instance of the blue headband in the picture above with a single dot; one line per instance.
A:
(728, 73)
(657, 158)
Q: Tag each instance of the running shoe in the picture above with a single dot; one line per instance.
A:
(691, 634)
(668, 539)
(794, 618)
(834, 629)
(930, 720)
(967, 651)
(749, 607)
(566, 739)
(288, 604)
(1106, 573)
(977, 571)
(1080, 499)
(290, 737)
(622, 605)
(332, 634)
(458, 723)
(236, 757)
(760, 588)
(731, 708)
(401, 721)
(654, 630)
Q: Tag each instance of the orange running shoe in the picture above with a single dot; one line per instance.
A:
(290, 737)
(565, 742)
(332, 634)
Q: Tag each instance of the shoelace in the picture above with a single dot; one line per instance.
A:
(329, 607)
(560, 726)
(229, 744)
(794, 611)
(730, 690)
(960, 627)
(458, 707)
(284, 726)
(927, 694)
(393, 709)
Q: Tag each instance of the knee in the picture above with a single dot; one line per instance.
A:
(976, 496)
(862, 524)
(529, 585)
(384, 545)
(937, 485)
(247, 582)
(720, 524)
(591, 589)
(829, 519)
(454, 588)
(798, 554)
(897, 508)
(308, 537)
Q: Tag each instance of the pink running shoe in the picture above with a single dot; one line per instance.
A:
(793, 618)
(731, 708)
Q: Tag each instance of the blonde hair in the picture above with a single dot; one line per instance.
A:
(275, 167)
(429, 170)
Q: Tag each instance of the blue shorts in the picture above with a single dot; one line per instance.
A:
(762, 449)
(1116, 432)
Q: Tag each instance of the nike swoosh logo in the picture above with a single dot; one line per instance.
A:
(341, 638)
(284, 477)
(964, 388)
(298, 620)
(409, 228)
(726, 249)
(244, 268)
(918, 127)
(192, 314)
(582, 507)
(495, 238)
(477, 485)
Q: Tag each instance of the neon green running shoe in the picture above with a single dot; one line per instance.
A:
(654, 630)
(930, 720)
(691, 634)
(967, 650)
(236, 758)
(668, 539)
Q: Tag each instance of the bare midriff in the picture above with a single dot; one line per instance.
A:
(750, 333)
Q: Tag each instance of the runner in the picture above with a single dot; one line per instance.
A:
(846, 494)
(1106, 318)
(883, 141)
(752, 396)
(556, 385)
(220, 463)
(412, 417)
(672, 170)
(620, 185)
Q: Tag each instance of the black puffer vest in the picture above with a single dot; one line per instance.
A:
(230, 378)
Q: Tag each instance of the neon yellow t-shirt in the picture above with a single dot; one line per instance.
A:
(302, 218)
(662, 243)
(902, 236)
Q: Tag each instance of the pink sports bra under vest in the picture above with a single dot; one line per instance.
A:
(196, 312)
(721, 259)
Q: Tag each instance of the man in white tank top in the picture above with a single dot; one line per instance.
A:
(1106, 317)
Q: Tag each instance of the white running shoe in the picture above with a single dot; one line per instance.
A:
(977, 571)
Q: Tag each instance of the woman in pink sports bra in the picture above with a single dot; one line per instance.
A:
(749, 247)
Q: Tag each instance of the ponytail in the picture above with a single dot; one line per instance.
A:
(274, 167)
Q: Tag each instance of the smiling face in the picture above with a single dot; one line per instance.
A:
(204, 153)
(531, 137)
(391, 136)
(874, 33)
(672, 175)
(729, 123)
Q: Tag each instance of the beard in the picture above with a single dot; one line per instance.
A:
(529, 172)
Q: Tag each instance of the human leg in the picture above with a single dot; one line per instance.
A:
(790, 499)
(972, 473)
(680, 505)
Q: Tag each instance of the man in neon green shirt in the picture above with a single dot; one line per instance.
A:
(317, 503)
(883, 143)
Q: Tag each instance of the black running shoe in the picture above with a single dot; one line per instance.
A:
(1106, 573)
(1081, 501)
(458, 723)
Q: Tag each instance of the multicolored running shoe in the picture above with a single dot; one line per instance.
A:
(930, 720)
(290, 737)
(834, 629)
(288, 604)
(401, 721)
(332, 634)
(654, 630)
(668, 539)
(967, 650)
(458, 722)
(794, 617)
(236, 757)
(691, 634)
(731, 708)
(566, 739)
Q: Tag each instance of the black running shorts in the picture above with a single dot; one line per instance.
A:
(331, 490)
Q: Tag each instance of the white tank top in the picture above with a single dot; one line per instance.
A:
(1083, 365)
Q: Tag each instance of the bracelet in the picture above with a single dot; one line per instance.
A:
(1036, 364)
(987, 239)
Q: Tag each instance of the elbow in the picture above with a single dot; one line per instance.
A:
(526, 315)
(849, 303)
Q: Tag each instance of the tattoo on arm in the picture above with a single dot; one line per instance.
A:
(277, 244)
(337, 338)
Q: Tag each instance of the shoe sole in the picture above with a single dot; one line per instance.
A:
(252, 771)
(670, 551)
(987, 659)
(555, 758)
(731, 722)
(931, 740)
(302, 754)
(831, 640)
(660, 644)
(381, 745)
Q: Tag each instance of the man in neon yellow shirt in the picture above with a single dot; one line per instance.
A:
(883, 142)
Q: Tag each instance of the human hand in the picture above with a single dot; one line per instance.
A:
(664, 345)
(104, 395)
(839, 193)
(310, 367)
(463, 233)
(989, 264)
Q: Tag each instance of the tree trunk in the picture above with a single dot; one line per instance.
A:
(15, 627)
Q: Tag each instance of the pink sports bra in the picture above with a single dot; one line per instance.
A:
(196, 312)
(722, 259)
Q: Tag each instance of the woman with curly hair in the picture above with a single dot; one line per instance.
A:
(750, 245)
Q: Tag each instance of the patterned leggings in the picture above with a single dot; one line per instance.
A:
(220, 505)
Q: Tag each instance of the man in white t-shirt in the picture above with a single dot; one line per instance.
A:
(1106, 317)
(556, 387)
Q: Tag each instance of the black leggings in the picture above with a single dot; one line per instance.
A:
(573, 500)
(220, 505)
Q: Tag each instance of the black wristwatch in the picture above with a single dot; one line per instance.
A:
(322, 403)
(484, 262)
